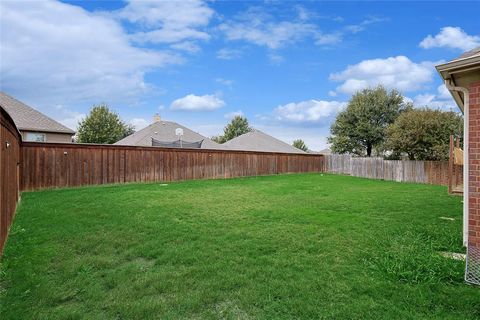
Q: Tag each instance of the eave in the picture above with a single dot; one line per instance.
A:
(460, 72)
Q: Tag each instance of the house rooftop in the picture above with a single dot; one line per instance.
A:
(256, 140)
(165, 131)
(28, 119)
(460, 72)
(325, 151)
(468, 54)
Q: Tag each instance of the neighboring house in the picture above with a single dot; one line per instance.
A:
(34, 125)
(462, 78)
(258, 141)
(325, 151)
(166, 134)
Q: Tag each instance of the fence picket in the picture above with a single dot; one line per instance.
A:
(101, 164)
(430, 172)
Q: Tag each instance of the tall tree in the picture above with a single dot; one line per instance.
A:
(360, 128)
(300, 144)
(423, 134)
(102, 126)
(238, 126)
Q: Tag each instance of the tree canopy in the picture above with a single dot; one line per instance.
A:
(360, 128)
(300, 144)
(238, 126)
(423, 134)
(102, 126)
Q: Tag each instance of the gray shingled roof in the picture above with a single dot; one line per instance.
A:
(258, 141)
(471, 53)
(325, 151)
(165, 131)
(28, 119)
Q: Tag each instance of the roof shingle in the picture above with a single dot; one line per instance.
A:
(165, 131)
(258, 141)
(471, 53)
(28, 119)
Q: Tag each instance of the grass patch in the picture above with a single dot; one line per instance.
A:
(304, 246)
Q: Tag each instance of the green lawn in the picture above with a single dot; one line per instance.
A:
(304, 246)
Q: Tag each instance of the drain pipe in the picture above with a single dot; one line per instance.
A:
(466, 107)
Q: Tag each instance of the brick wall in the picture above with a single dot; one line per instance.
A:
(474, 166)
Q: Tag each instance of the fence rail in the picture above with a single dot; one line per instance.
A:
(49, 165)
(430, 172)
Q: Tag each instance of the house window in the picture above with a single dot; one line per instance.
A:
(36, 137)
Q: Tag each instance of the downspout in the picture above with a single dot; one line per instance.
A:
(466, 107)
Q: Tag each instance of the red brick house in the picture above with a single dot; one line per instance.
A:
(462, 78)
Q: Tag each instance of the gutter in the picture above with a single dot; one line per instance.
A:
(466, 107)
(459, 65)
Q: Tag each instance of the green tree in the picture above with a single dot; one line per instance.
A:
(360, 128)
(217, 139)
(300, 144)
(423, 134)
(238, 126)
(102, 126)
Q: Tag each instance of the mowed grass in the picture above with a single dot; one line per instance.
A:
(306, 246)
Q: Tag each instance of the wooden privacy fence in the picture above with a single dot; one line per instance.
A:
(338, 163)
(10, 140)
(455, 170)
(430, 172)
(63, 165)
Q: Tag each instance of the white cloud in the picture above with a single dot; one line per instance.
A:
(191, 102)
(258, 27)
(64, 115)
(272, 35)
(432, 101)
(393, 72)
(407, 99)
(139, 123)
(451, 37)
(72, 119)
(234, 114)
(228, 54)
(168, 21)
(443, 92)
(329, 39)
(308, 111)
(303, 14)
(441, 100)
(188, 46)
(66, 54)
(276, 59)
(356, 28)
(225, 82)
(169, 36)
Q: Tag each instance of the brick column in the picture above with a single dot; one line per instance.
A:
(473, 250)
(474, 169)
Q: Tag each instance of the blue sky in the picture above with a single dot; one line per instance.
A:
(288, 66)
